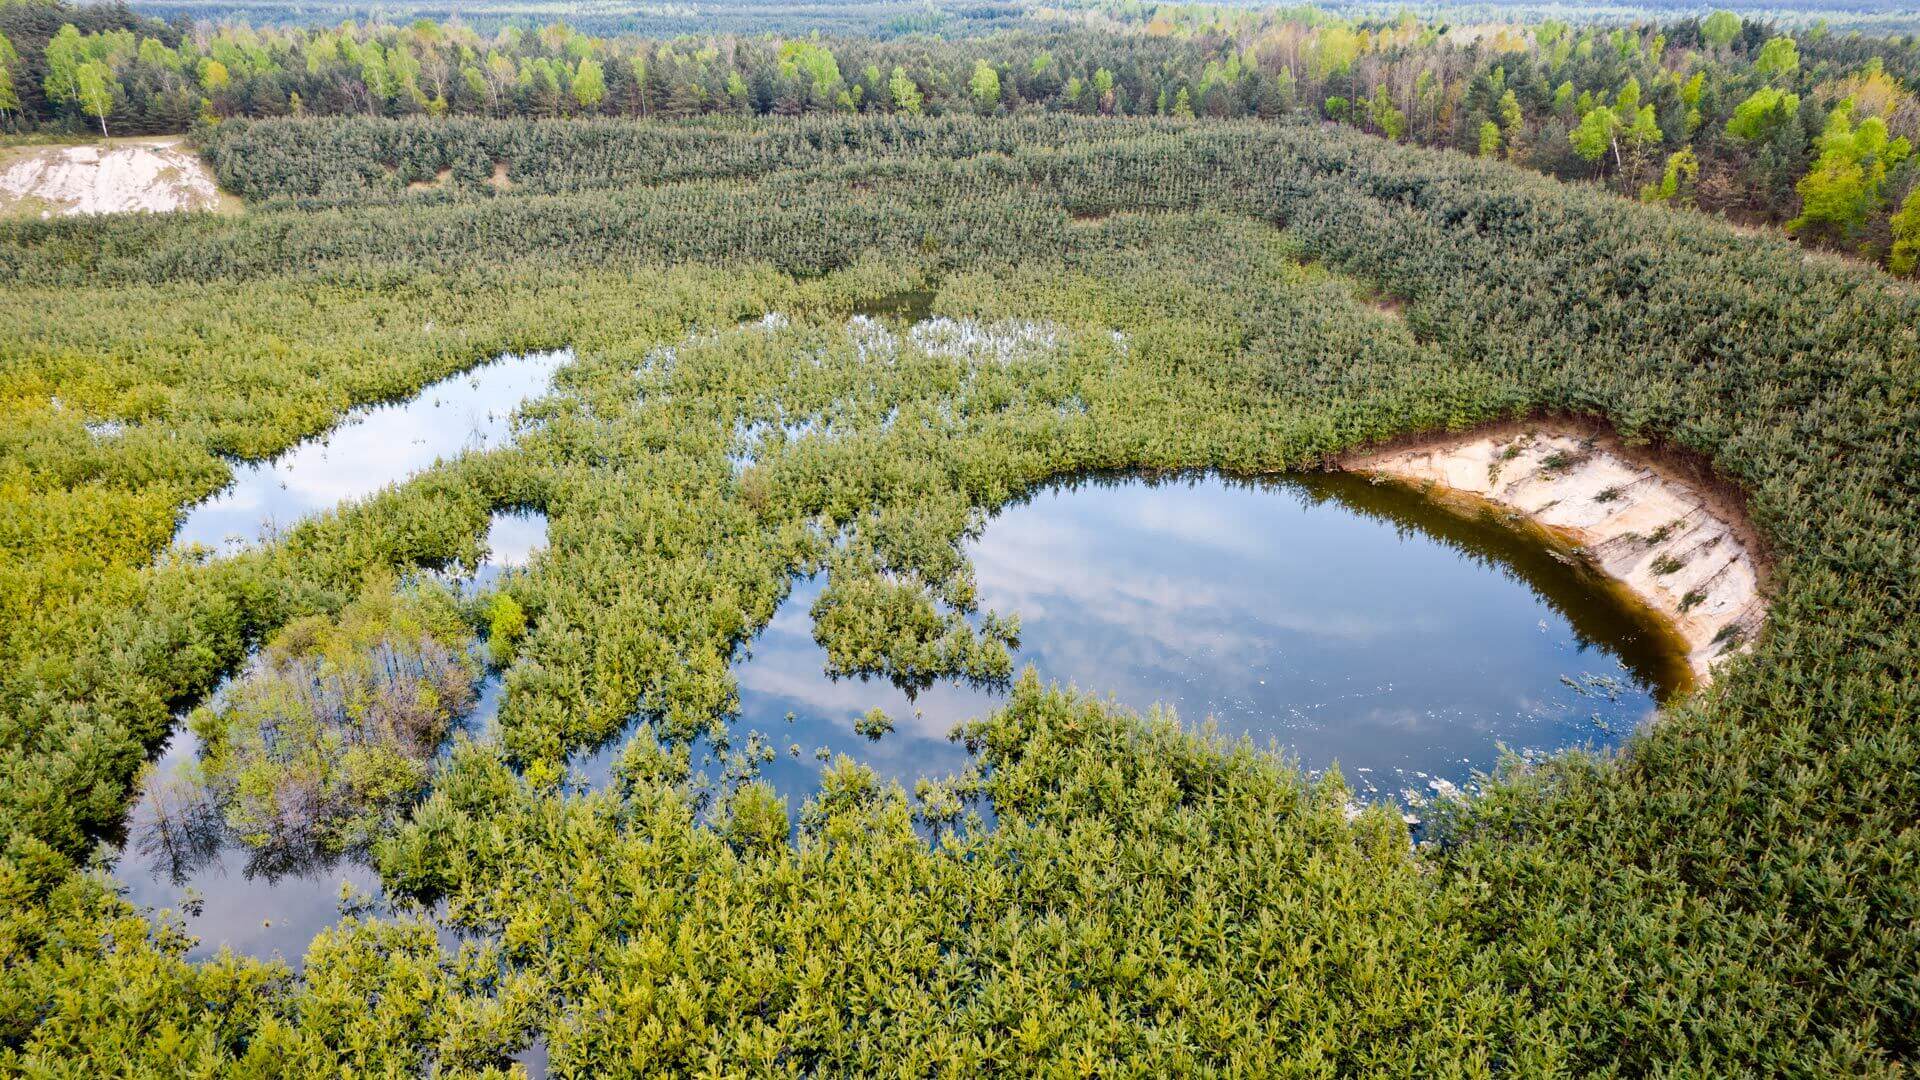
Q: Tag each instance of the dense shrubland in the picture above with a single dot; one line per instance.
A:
(1803, 128)
(1736, 895)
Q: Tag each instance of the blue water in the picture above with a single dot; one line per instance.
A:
(1332, 619)
(369, 449)
(1335, 620)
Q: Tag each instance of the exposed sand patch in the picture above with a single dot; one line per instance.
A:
(1683, 551)
(154, 175)
(443, 178)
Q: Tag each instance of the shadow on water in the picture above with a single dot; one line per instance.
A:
(1601, 611)
(1407, 639)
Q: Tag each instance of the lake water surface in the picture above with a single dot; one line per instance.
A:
(1336, 619)
(1339, 620)
(369, 449)
(231, 895)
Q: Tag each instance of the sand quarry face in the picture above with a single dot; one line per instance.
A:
(155, 175)
(1682, 552)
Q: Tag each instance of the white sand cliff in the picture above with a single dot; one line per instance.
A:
(1683, 552)
(154, 175)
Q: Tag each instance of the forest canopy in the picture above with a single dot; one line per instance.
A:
(1801, 127)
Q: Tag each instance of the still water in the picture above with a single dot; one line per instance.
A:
(369, 449)
(1336, 619)
(232, 896)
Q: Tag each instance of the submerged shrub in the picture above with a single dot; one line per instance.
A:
(875, 724)
(506, 625)
(334, 726)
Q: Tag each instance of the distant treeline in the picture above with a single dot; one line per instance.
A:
(1813, 132)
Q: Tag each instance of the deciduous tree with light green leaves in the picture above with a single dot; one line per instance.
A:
(1720, 28)
(589, 84)
(1762, 113)
(94, 89)
(984, 86)
(9, 96)
(1676, 184)
(1489, 138)
(1845, 184)
(905, 92)
(814, 65)
(1598, 132)
(1779, 56)
(63, 56)
(1103, 89)
(1904, 259)
(1385, 116)
(1513, 123)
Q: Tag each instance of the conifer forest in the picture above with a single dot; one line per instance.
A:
(863, 539)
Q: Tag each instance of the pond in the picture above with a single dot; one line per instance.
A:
(1335, 619)
(234, 896)
(369, 449)
(1339, 620)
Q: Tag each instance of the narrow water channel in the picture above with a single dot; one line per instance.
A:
(369, 449)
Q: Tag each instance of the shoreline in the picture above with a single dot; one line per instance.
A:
(1680, 546)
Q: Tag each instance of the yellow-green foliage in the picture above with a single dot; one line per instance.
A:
(335, 724)
(506, 625)
(1735, 896)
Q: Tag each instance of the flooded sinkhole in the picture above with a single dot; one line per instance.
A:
(1340, 620)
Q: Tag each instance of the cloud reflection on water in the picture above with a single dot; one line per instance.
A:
(370, 449)
(1277, 611)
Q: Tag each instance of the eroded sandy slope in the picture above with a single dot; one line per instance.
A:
(1683, 552)
(154, 175)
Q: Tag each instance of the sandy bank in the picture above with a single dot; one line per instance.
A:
(154, 175)
(1683, 551)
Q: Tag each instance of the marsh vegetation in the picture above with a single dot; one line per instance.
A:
(1731, 894)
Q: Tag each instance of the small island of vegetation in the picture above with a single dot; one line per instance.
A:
(831, 301)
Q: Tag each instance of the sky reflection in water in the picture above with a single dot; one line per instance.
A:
(1341, 620)
(242, 902)
(369, 449)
